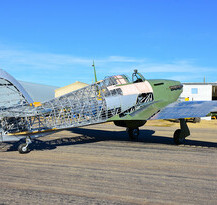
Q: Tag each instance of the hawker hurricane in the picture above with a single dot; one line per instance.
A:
(129, 103)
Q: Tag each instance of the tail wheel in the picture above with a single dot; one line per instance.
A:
(23, 149)
(178, 139)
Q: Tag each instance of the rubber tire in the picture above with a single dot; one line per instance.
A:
(133, 133)
(21, 149)
(177, 137)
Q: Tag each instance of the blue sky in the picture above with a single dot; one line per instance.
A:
(54, 42)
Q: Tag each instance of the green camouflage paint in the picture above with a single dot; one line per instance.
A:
(163, 96)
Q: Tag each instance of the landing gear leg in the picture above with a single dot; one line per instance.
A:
(24, 148)
(180, 134)
(133, 133)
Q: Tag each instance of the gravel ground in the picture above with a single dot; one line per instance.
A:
(99, 165)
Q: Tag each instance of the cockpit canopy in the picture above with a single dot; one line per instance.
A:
(124, 79)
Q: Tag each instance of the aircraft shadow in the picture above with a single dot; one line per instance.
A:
(91, 136)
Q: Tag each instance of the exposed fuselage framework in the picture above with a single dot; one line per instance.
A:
(113, 98)
(93, 104)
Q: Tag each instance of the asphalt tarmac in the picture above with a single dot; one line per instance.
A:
(99, 165)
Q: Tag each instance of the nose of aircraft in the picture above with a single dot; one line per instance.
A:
(175, 88)
(166, 90)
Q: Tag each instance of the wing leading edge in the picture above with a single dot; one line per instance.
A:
(187, 109)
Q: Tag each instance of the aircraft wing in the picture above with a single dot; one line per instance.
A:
(186, 109)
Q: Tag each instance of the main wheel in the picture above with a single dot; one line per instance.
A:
(23, 149)
(178, 139)
(133, 133)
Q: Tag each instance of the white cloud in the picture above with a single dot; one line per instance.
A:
(39, 60)
(16, 58)
(186, 78)
(124, 59)
(40, 66)
(174, 67)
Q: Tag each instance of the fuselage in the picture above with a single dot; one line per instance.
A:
(141, 99)
(115, 98)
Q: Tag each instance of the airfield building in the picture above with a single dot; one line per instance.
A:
(199, 91)
(69, 88)
(39, 92)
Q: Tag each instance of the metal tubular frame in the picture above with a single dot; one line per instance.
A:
(78, 108)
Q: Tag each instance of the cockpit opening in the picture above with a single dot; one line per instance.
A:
(123, 79)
